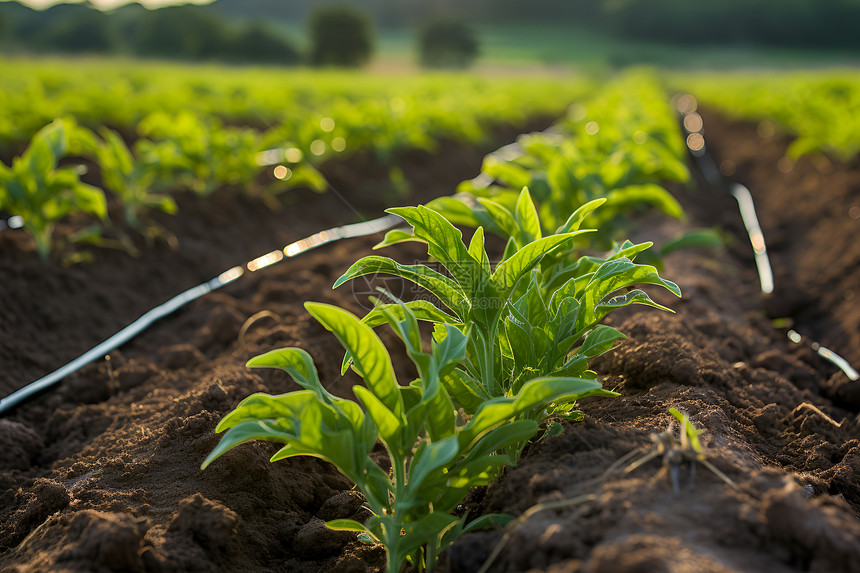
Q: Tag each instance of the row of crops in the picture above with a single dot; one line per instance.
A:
(820, 108)
(155, 129)
(511, 341)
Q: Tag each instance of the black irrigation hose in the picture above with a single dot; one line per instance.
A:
(693, 128)
(293, 249)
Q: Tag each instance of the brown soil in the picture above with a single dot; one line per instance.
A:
(102, 473)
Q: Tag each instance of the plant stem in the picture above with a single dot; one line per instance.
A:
(43, 240)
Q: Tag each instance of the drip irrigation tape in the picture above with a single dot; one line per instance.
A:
(293, 249)
(693, 128)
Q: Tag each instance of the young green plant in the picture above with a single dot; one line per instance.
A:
(131, 181)
(434, 458)
(41, 193)
(536, 314)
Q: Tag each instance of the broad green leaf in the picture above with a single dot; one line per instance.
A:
(510, 271)
(444, 241)
(527, 218)
(423, 310)
(245, 432)
(298, 364)
(458, 212)
(629, 250)
(477, 251)
(651, 194)
(451, 348)
(345, 525)
(464, 391)
(262, 406)
(429, 457)
(694, 239)
(395, 236)
(89, 199)
(537, 393)
(369, 356)
(502, 437)
(424, 530)
(574, 222)
(507, 172)
(390, 425)
(626, 299)
(599, 340)
(440, 286)
(612, 276)
(502, 218)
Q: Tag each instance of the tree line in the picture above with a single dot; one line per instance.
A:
(248, 30)
(338, 35)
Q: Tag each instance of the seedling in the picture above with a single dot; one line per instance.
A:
(535, 314)
(677, 451)
(434, 459)
(42, 193)
(131, 181)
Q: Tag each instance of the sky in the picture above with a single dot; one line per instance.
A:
(108, 4)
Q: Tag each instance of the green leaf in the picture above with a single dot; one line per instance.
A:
(446, 290)
(395, 236)
(503, 436)
(390, 425)
(429, 457)
(612, 276)
(444, 241)
(262, 406)
(507, 172)
(90, 199)
(502, 218)
(464, 391)
(477, 251)
(527, 218)
(298, 364)
(423, 310)
(457, 211)
(345, 525)
(424, 530)
(629, 250)
(574, 222)
(451, 349)
(369, 356)
(244, 432)
(535, 394)
(694, 239)
(651, 194)
(510, 271)
(599, 340)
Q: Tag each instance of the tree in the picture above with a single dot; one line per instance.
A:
(184, 32)
(340, 36)
(447, 43)
(81, 29)
(257, 43)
